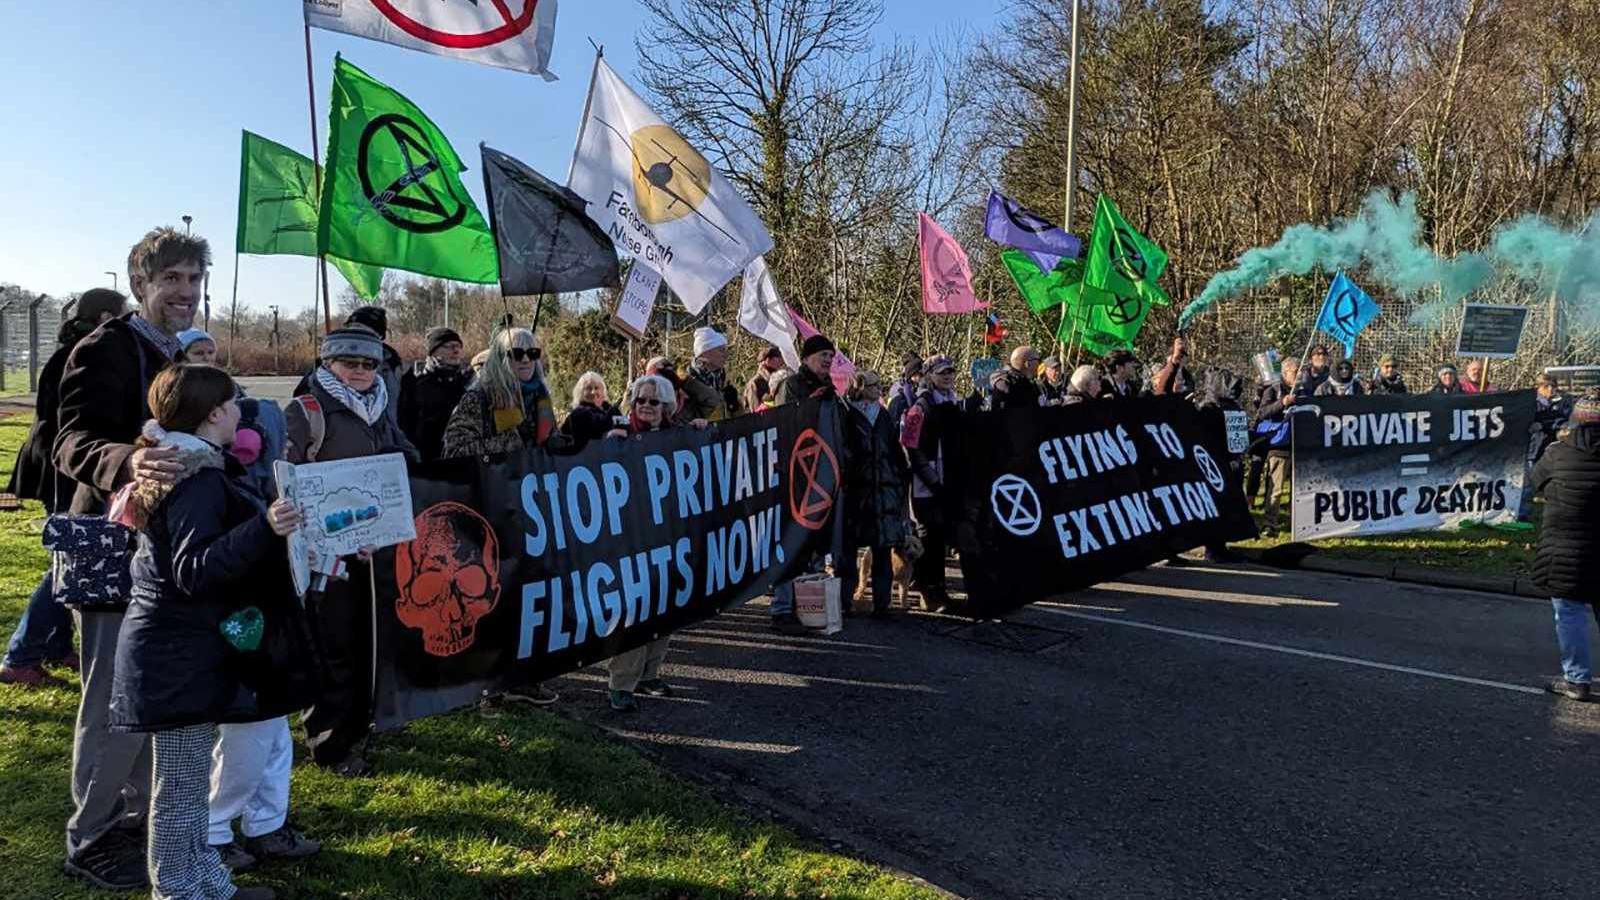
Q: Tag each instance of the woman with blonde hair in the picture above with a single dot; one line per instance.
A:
(508, 406)
(593, 414)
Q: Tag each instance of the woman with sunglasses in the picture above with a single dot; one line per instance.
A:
(508, 406)
(344, 415)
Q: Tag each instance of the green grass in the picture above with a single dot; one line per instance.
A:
(525, 805)
(1476, 551)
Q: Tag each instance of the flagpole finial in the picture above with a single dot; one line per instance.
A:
(599, 49)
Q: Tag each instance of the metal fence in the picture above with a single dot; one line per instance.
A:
(28, 326)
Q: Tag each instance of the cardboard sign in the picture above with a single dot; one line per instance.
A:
(1491, 332)
(1238, 430)
(637, 301)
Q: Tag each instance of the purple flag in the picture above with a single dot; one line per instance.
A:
(1008, 222)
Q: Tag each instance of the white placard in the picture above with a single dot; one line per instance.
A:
(347, 504)
(1238, 430)
(638, 299)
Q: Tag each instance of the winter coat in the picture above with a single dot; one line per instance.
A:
(877, 477)
(1274, 399)
(1391, 386)
(206, 553)
(1074, 397)
(804, 385)
(757, 389)
(1311, 380)
(588, 422)
(922, 433)
(428, 395)
(35, 476)
(1331, 388)
(1108, 390)
(1551, 416)
(698, 400)
(345, 434)
(1011, 389)
(1052, 394)
(1566, 563)
(389, 371)
(472, 430)
(901, 397)
(1441, 389)
(102, 408)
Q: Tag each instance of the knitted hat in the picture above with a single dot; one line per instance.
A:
(816, 344)
(190, 335)
(933, 364)
(1447, 367)
(1319, 350)
(706, 339)
(1585, 412)
(358, 341)
(373, 317)
(438, 336)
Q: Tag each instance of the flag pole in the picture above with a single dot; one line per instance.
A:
(1072, 148)
(316, 172)
(233, 308)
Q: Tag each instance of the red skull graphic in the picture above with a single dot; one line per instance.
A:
(449, 577)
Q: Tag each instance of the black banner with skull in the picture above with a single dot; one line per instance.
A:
(534, 565)
(1061, 498)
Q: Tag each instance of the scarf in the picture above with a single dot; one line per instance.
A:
(1341, 388)
(717, 380)
(167, 345)
(870, 409)
(368, 405)
(194, 454)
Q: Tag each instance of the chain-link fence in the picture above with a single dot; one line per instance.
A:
(28, 326)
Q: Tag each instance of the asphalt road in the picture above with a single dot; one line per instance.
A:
(270, 387)
(1185, 733)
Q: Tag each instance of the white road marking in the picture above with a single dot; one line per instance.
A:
(1295, 651)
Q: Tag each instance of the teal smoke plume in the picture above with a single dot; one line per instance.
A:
(1385, 237)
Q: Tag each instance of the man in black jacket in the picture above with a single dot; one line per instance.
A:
(1389, 380)
(1013, 387)
(44, 633)
(102, 409)
(1272, 418)
(922, 433)
(1564, 562)
(430, 390)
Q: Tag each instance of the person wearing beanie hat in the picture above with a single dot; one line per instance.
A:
(706, 394)
(346, 413)
(430, 389)
(1447, 383)
(1389, 380)
(815, 377)
(197, 347)
(375, 320)
(373, 317)
(922, 434)
(904, 392)
(758, 390)
(1569, 543)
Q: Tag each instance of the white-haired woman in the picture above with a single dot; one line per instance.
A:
(508, 406)
(1084, 386)
(639, 670)
(593, 414)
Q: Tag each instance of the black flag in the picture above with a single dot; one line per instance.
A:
(546, 240)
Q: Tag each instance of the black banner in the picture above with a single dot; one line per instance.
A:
(537, 565)
(1062, 498)
(1369, 465)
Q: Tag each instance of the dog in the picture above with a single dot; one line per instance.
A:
(901, 558)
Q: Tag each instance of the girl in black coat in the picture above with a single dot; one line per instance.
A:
(190, 654)
(1569, 540)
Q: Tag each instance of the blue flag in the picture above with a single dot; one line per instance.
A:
(1008, 223)
(1347, 310)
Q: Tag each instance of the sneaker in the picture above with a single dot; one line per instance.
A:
(352, 766)
(69, 662)
(255, 893)
(29, 677)
(235, 857)
(622, 701)
(285, 843)
(655, 687)
(115, 862)
(537, 694)
(1571, 690)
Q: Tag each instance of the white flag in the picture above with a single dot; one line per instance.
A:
(657, 197)
(763, 314)
(511, 34)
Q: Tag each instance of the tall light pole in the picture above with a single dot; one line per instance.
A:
(277, 343)
(113, 279)
(1072, 151)
(187, 220)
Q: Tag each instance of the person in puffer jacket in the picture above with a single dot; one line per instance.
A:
(1569, 541)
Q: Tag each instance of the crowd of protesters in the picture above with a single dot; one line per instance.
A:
(135, 421)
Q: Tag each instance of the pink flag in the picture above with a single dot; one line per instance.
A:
(946, 274)
(843, 369)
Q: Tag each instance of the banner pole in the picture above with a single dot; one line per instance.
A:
(233, 308)
(1483, 379)
(316, 171)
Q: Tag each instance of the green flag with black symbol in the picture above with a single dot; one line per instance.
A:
(1043, 290)
(394, 196)
(1122, 261)
(278, 209)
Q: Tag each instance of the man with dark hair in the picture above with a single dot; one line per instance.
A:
(758, 389)
(1122, 376)
(102, 409)
(1012, 387)
(430, 390)
(44, 633)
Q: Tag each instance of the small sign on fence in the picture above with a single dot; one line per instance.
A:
(1489, 331)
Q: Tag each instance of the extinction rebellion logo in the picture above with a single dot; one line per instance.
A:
(813, 476)
(1016, 505)
(396, 153)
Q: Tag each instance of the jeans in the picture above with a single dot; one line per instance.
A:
(783, 599)
(45, 631)
(1572, 633)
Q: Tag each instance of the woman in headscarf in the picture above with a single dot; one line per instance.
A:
(344, 415)
(508, 407)
(1447, 383)
(1343, 382)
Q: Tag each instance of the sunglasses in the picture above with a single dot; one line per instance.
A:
(525, 354)
(366, 365)
(646, 401)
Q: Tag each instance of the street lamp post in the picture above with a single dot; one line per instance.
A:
(187, 220)
(113, 279)
(277, 343)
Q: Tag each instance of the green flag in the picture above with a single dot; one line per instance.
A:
(278, 209)
(1042, 289)
(1108, 323)
(394, 196)
(1121, 260)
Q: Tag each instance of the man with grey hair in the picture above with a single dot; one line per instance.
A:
(102, 408)
(1013, 387)
(1084, 386)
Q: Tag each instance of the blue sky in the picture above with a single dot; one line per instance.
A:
(121, 116)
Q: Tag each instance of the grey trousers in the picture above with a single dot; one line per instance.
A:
(638, 664)
(110, 771)
(1280, 475)
(183, 864)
